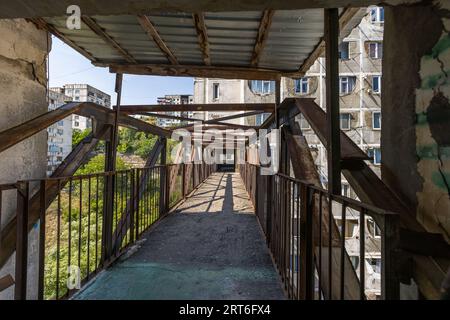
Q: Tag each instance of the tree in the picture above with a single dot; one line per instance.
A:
(78, 135)
(97, 164)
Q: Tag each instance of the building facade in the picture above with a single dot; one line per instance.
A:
(211, 91)
(360, 71)
(84, 93)
(175, 99)
(59, 134)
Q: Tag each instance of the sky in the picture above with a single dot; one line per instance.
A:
(68, 66)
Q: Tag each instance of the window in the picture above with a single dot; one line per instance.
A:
(375, 263)
(345, 119)
(76, 124)
(304, 124)
(374, 155)
(375, 50)
(372, 228)
(377, 14)
(302, 85)
(77, 91)
(216, 91)
(346, 84)
(344, 51)
(77, 98)
(376, 120)
(376, 84)
(262, 86)
(345, 190)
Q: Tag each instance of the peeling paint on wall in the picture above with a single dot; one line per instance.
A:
(433, 135)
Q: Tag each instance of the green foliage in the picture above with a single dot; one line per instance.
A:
(78, 135)
(97, 164)
(135, 142)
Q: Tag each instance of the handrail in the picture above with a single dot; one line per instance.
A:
(298, 222)
(351, 203)
(77, 224)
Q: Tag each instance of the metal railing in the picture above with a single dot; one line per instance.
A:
(86, 222)
(317, 258)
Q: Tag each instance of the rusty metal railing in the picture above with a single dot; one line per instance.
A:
(317, 258)
(73, 232)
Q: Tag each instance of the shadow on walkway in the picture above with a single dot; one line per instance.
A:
(211, 248)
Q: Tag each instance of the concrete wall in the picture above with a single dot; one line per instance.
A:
(23, 82)
(416, 111)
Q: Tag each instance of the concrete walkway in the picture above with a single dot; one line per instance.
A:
(211, 248)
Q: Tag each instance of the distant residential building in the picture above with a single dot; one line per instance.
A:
(59, 134)
(175, 99)
(84, 93)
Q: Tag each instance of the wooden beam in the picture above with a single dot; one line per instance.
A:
(140, 125)
(16, 134)
(261, 38)
(316, 118)
(96, 28)
(202, 35)
(221, 119)
(6, 282)
(217, 107)
(42, 24)
(148, 27)
(332, 100)
(195, 71)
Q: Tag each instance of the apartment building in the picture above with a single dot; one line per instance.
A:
(84, 93)
(59, 134)
(360, 71)
(175, 99)
(208, 91)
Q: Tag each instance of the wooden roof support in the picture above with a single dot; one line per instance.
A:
(150, 29)
(319, 50)
(263, 33)
(195, 71)
(14, 135)
(42, 24)
(217, 107)
(96, 28)
(202, 35)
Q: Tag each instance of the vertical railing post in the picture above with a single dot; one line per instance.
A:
(390, 284)
(163, 179)
(134, 189)
(306, 244)
(183, 183)
(41, 256)
(23, 196)
(108, 199)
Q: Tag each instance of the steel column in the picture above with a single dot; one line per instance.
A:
(332, 100)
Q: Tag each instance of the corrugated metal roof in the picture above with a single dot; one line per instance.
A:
(292, 37)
